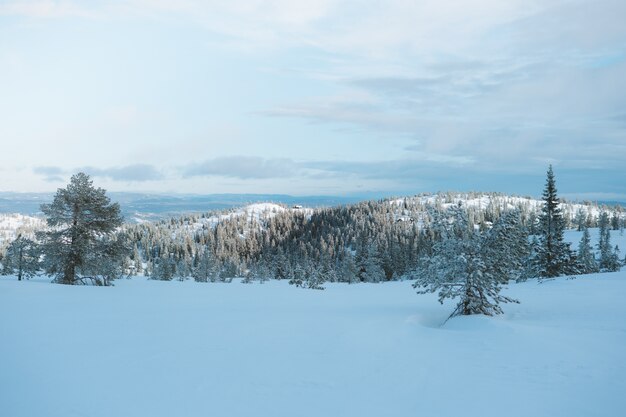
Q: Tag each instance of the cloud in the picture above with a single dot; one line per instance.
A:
(128, 173)
(243, 167)
(48, 170)
(50, 173)
(484, 84)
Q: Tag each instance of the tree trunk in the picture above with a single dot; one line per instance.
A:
(69, 274)
(19, 268)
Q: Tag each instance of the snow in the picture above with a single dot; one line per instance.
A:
(13, 223)
(482, 201)
(617, 238)
(150, 348)
(254, 213)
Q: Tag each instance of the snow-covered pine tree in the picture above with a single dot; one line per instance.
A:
(164, 268)
(205, 268)
(554, 256)
(80, 219)
(21, 258)
(506, 247)
(581, 219)
(299, 276)
(586, 258)
(462, 266)
(314, 278)
(106, 261)
(348, 269)
(369, 264)
(609, 256)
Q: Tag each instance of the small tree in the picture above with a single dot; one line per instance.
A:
(464, 265)
(80, 243)
(506, 247)
(206, 269)
(22, 257)
(609, 256)
(164, 268)
(586, 258)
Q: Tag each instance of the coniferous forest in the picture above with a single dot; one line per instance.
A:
(465, 246)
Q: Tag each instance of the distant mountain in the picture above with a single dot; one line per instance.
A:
(141, 207)
(145, 207)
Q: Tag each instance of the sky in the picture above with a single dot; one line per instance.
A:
(318, 97)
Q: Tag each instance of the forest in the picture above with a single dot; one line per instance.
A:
(371, 241)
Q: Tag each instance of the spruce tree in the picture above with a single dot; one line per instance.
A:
(206, 269)
(466, 265)
(506, 247)
(609, 256)
(586, 258)
(554, 256)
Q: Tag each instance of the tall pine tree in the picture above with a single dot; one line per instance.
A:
(554, 256)
(79, 244)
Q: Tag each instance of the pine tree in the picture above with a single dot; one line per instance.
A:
(22, 257)
(81, 221)
(206, 268)
(609, 256)
(164, 268)
(463, 266)
(581, 219)
(586, 258)
(369, 262)
(554, 256)
(506, 247)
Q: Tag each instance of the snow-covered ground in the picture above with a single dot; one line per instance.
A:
(617, 238)
(149, 348)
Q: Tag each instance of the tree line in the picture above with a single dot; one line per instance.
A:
(452, 241)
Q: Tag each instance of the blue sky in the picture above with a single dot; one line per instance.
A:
(318, 97)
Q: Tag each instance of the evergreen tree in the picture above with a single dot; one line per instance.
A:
(463, 266)
(81, 220)
(164, 268)
(506, 247)
(586, 258)
(299, 276)
(21, 257)
(581, 219)
(206, 268)
(554, 256)
(107, 259)
(609, 256)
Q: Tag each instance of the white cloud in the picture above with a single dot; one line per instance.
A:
(481, 83)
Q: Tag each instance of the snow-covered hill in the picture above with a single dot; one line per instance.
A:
(12, 224)
(501, 202)
(162, 349)
(252, 215)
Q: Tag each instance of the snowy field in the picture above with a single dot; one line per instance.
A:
(149, 348)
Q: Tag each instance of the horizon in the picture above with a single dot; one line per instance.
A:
(156, 206)
(313, 99)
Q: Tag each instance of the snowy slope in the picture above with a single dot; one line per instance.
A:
(150, 348)
(617, 238)
(251, 215)
(502, 201)
(13, 223)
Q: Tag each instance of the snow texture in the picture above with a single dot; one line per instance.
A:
(13, 223)
(151, 348)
